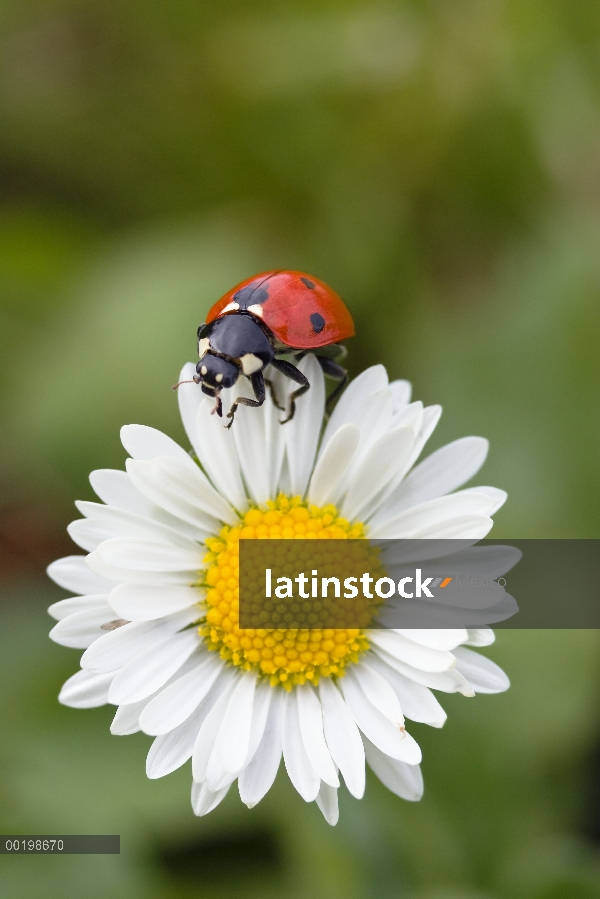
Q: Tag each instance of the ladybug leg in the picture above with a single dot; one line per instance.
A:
(290, 371)
(276, 402)
(258, 386)
(336, 372)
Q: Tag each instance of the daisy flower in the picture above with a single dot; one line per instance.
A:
(156, 604)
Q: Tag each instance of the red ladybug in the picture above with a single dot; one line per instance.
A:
(274, 314)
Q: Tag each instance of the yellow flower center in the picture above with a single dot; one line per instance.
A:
(287, 656)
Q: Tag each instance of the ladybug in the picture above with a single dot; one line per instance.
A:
(274, 314)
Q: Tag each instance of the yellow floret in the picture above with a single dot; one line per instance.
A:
(286, 657)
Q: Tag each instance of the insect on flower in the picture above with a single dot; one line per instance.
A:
(274, 314)
(157, 592)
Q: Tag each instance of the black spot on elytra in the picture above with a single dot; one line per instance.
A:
(309, 284)
(317, 321)
(250, 295)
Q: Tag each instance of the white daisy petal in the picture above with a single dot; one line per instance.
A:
(217, 453)
(80, 629)
(262, 703)
(422, 614)
(89, 533)
(113, 522)
(297, 763)
(411, 751)
(417, 701)
(198, 489)
(302, 432)
(285, 478)
(378, 691)
(380, 730)
(258, 776)
(210, 727)
(488, 561)
(366, 384)
(442, 472)
(204, 800)
(423, 423)
(409, 417)
(147, 602)
(73, 604)
(411, 653)
(216, 776)
(189, 397)
(86, 690)
(413, 522)
(480, 636)
(117, 647)
(435, 638)
(73, 574)
(116, 489)
(142, 442)
(463, 527)
(331, 467)
(252, 433)
(343, 738)
(493, 561)
(401, 392)
(450, 681)
(170, 751)
(151, 479)
(373, 417)
(431, 416)
(406, 781)
(274, 432)
(428, 421)
(250, 441)
(106, 570)
(127, 718)
(184, 488)
(483, 675)
(327, 800)
(310, 718)
(233, 739)
(140, 554)
(379, 465)
(176, 702)
(499, 497)
(152, 667)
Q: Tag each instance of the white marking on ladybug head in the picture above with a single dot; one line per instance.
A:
(219, 378)
(230, 307)
(203, 346)
(251, 363)
(256, 309)
(204, 370)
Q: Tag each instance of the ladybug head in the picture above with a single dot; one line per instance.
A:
(215, 373)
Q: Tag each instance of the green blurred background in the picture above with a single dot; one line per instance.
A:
(438, 163)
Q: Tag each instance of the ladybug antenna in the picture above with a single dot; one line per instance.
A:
(195, 380)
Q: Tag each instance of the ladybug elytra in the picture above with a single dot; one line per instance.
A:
(274, 314)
